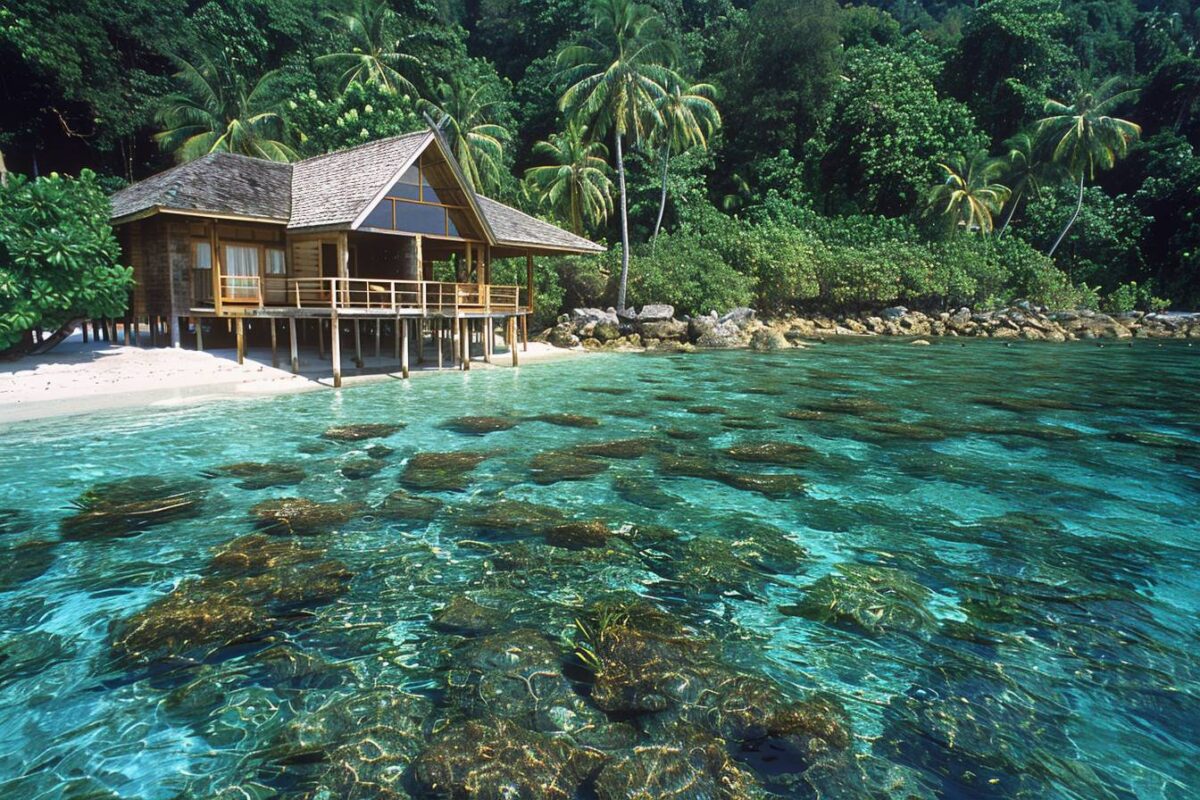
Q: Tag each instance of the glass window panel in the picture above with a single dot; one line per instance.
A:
(407, 191)
(380, 216)
(411, 176)
(202, 252)
(416, 218)
(241, 264)
(276, 263)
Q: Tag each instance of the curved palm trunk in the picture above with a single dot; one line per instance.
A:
(624, 228)
(1012, 209)
(662, 200)
(1078, 205)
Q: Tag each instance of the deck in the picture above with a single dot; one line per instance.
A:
(319, 298)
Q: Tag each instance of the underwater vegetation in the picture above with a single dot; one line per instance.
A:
(128, 507)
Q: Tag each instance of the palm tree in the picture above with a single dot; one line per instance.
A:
(213, 110)
(617, 78)
(575, 184)
(374, 55)
(968, 196)
(1024, 169)
(689, 117)
(464, 115)
(1084, 139)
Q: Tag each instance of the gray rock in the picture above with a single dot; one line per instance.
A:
(894, 313)
(654, 312)
(738, 316)
(592, 316)
(720, 335)
(767, 339)
(671, 329)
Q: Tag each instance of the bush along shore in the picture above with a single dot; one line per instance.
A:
(656, 327)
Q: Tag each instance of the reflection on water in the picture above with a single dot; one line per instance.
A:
(860, 570)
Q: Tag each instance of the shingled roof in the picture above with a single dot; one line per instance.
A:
(333, 189)
(328, 191)
(218, 183)
(515, 227)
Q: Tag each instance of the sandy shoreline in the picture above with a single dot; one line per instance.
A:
(78, 378)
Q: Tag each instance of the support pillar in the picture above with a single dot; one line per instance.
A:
(335, 350)
(377, 338)
(488, 327)
(358, 345)
(439, 333)
(525, 332)
(241, 342)
(199, 335)
(396, 343)
(420, 333)
(512, 341)
(464, 341)
(83, 331)
(404, 349)
(320, 339)
(176, 334)
(295, 349)
(274, 346)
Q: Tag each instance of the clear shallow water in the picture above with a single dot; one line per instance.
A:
(999, 580)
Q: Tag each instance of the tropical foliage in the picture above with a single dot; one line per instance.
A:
(781, 150)
(59, 259)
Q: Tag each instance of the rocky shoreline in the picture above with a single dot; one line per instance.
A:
(656, 327)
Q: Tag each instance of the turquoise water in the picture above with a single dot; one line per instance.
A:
(987, 578)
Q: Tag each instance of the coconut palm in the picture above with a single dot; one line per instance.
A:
(464, 114)
(215, 110)
(1024, 171)
(575, 184)
(689, 117)
(969, 197)
(617, 77)
(374, 55)
(1083, 139)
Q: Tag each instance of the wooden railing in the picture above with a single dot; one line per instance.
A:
(241, 290)
(402, 297)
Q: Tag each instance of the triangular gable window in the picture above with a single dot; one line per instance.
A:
(427, 199)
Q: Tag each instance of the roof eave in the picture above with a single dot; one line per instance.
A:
(193, 212)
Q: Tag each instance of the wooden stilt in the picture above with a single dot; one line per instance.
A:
(241, 342)
(176, 333)
(335, 350)
(396, 337)
(420, 337)
(404, 349)
(487, 329)
(525, 332)
(83, 331)
(438, 334)
(274, 345)
(321, 339)
(465, 341)
(358, 345)
(136, 337)
(512, 341)
(199, 335)
(295, 349)
(377, 338)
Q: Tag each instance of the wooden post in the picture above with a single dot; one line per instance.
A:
(512, 340)
(335, 350)
(525, 332)
(488, 329)
(404, 349)
(83, 331)
(529, 280)
(176, 334)
(420, 341)
(321, 339)
(199, 336)
(215, 263)
(295, 349)
(464, 341)
(439, 333)
(377, 338)
(241, 342)
(357, 345)
(274, 346)
(396, 344)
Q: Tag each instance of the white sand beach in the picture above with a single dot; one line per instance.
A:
(77, 378)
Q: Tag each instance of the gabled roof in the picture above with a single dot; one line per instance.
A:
(513, 227)
(333, 189)
(218, 183)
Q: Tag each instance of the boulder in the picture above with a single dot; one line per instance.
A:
(716, 334)
(653, 312)
(581, 317)
(671, 329)
(894, 313)
(768, 339)
(562, 335)
(738, 316)
(606, 331)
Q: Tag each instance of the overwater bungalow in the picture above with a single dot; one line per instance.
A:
(347, 236)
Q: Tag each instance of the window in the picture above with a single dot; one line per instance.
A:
(276, 263)
(201, 255)
(240, 279)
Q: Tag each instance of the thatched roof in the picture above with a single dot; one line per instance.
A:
(331, 191)
(218, 183)
(513, 227)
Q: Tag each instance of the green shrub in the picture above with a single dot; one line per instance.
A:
(548, 291)
(1130, 297)
(679, 270)
(59, 259)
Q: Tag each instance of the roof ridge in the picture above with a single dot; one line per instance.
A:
(364, 145)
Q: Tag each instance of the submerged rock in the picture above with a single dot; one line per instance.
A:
(496, 759)
(464, 616)
(25, 562)
(620, 448)
(568, 420)
(609, 390)
(194, 615)
(508, 515)
(359, 468)
(784, 454)
(643, 491)
(403, 505)
(254, 475)
(554, 466)
(478, 426)
(130, 506)
(357, 433)
(870, 598)
(771, 485)
(696, 770)
(301, 516)
(255, 553)
(857, 406)
(441, 471)
(578, 535)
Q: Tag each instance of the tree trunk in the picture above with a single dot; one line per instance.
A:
(1012, 209)
(1078, 205)
(624, 228)
(662, 200)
